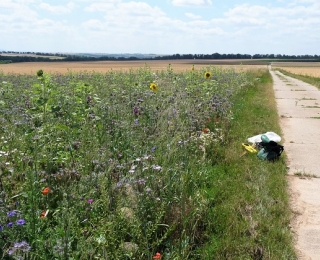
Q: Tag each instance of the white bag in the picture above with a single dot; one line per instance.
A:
(271, 135)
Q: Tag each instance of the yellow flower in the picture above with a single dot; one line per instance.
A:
(207, 75)
(153, 87)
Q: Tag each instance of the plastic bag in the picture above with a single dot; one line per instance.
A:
(271, 135)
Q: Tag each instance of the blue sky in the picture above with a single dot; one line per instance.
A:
(161, 26)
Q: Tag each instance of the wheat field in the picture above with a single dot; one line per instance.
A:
(301, 68)
(106, 66)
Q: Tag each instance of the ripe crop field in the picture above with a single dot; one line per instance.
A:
(107, 66)
(300, 68)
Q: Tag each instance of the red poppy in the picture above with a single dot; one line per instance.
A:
(206, 130)
(45, 191)
(157, 256)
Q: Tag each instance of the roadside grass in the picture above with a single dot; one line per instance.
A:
(315, 81)
(249, 211)
(134, 165)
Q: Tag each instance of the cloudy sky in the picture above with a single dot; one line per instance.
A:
(161, 26)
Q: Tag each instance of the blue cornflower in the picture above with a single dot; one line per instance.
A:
(10, 224)
(11, 213)
(20, 222)
(1, 228)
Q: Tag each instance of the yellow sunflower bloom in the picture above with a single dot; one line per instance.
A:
(153, 87)
(207, 75)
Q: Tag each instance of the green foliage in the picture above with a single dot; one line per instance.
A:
(250, 208)
(129, 172)
(5, 61)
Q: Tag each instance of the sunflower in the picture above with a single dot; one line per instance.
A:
(154, 87)
(207, 75)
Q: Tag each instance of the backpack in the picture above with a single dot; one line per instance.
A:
(270, 151)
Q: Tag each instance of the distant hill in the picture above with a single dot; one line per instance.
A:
(115, 55)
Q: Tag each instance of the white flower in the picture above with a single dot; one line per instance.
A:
(156, 167)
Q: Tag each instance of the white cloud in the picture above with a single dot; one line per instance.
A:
(57, 9)
(271, 19)
(99, 7)
(130, 17)
(136, 26)
(191, 2)
(193, 16)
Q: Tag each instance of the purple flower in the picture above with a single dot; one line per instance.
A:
(20, 222)
(136, 122)
(10, 224)
(119, 184)
(175, 112)
(1, 228)
(141, 181)
(90, 201)
(135, 110)
(11, 213)
(24, 246)
(153, 149)
(91, 115)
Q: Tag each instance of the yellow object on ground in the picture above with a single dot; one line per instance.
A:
(249, 148)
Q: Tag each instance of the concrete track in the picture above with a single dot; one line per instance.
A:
(299, 110)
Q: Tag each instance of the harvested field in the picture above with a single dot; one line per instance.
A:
(299, 68)
(105, 66)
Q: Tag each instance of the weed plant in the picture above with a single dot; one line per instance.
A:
(315, 81)
(132, 165)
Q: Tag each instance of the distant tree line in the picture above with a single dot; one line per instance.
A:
(32, 57)
(219, 56)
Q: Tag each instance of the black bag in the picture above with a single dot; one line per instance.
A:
(271, 151)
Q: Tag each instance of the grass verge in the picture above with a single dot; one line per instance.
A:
(250, 213)
(308, 79)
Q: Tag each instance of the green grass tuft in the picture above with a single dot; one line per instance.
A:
(250, 212)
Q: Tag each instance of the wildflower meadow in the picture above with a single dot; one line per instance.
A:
(111, 165)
